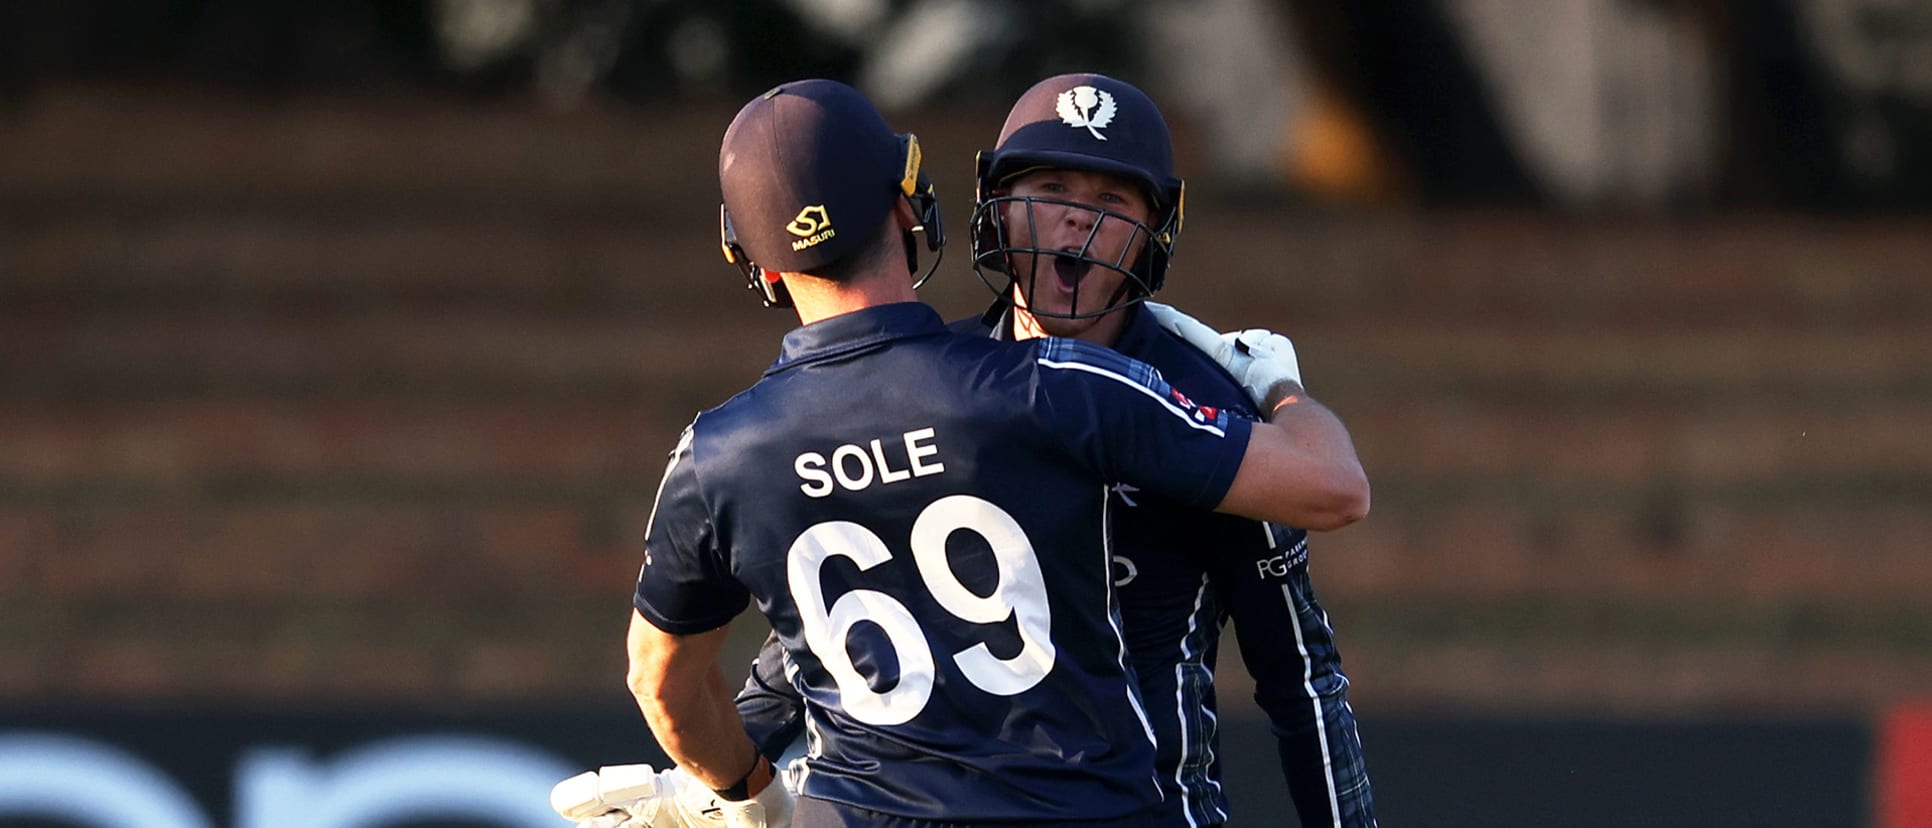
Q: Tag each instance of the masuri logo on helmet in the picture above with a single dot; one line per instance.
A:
(811, 226)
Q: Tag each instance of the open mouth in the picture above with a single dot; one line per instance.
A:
(1069, 270)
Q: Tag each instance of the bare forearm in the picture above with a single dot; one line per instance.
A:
(1300, 468)
(684, 698)
(700, 729)
(1321, 435)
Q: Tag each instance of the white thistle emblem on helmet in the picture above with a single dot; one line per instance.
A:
(1085, 106)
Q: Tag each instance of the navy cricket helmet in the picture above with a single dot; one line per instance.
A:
(808, 171)
(1085, 122)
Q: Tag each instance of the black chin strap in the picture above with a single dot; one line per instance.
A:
(999, 315)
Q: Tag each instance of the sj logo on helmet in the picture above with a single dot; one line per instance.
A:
(1085, 106)
(811, 227)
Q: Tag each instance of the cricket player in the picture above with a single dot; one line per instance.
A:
(1087, 151)
(923, 517)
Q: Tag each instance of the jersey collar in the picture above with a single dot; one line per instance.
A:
(1140, 331)
(848, 332)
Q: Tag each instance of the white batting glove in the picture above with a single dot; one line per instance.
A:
(1261, 360)
(592, 798)
(771, 808)
(635, 796)
(614, 819)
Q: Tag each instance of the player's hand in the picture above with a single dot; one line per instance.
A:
(599, 798)
(636, 796)
(1261, 360)
(771, 808)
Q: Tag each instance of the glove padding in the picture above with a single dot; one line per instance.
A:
(635, 796)
(1261, 360)
(593, 799)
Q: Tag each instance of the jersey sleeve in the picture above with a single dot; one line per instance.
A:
(1119, 417)
(1257, 592)
(1289, 647)
(773, 711)
(685, 585)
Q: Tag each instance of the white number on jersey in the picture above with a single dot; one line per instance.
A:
(1020, 594)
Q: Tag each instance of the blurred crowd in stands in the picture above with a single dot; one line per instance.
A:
(1673, 105)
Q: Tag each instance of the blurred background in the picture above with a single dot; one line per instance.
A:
(341, 346)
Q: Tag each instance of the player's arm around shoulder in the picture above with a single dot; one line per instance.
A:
(1300, 467)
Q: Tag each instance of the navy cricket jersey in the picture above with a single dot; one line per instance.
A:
(923, 518)
(1181, 573)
